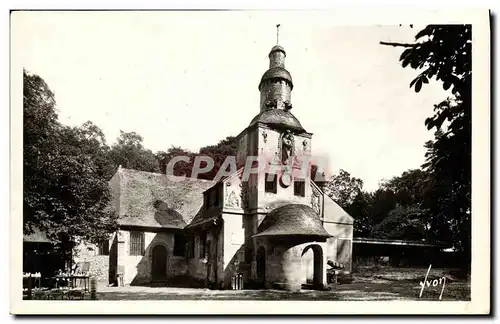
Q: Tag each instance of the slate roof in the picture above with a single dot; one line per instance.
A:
(334, 213)
(277, 48)
(292, 219)
(276, 73)
(278, 118)
(156, 200)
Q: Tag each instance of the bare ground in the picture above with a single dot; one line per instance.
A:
(367, 284)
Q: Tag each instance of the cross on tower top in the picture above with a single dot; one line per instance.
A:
(278, 33)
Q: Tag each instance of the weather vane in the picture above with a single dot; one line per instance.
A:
(278, 33)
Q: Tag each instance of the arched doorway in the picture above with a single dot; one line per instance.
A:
(159, 263)
(313, 266)
(261, 266)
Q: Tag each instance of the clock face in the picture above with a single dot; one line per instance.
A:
(286, 180)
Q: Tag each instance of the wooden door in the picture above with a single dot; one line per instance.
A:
(159, 263)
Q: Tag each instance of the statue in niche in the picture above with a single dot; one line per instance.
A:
(286, 148)
(297, 161)
(276, 159)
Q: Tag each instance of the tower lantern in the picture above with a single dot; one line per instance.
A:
(276, 84)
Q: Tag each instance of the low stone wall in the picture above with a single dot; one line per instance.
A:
(99, 267)
(99, 264)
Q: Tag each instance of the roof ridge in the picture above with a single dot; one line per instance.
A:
(121, 170)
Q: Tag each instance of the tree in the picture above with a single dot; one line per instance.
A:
(383, 201)
(180, 168)
(408, 188)
(443, 52)
(361, 211)
(402, 222)
(129, 152)
(65, 195)
(402, 196)
(218, 152)
(92, 141)
(343, 188)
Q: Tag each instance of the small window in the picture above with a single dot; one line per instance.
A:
(103, 247)
(203, 245)
(271, 183)
(179, 245)
(299, 187)
(136, 243)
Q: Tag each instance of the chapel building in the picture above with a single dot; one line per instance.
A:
(275, 229)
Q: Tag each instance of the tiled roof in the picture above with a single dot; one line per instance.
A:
(277, 73)
(277, 48)
(292, 219)
(334, 213)
(157, 200)
(278, 118)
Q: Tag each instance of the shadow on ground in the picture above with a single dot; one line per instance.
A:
(382, 284)
(355, 291)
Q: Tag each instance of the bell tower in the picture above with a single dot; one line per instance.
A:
(276, 84)
(277, 137)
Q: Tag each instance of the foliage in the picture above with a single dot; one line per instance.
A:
(408, 188)
(65, 194)
(343, 188)
(129, 152)
(376, 212)
(361, 210)
(444, 53)
(448, 161)
(219, 153)
(181, 168)
(402, 222)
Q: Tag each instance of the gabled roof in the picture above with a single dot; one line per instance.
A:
(204, 216)
(156, 200)
(334, 213)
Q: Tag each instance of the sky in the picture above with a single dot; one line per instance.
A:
(190, 79)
